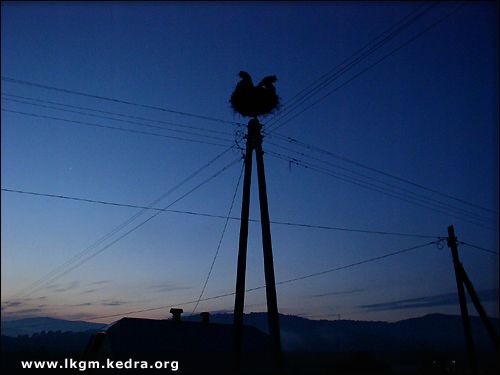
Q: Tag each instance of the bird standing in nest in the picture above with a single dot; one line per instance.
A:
(252, 101)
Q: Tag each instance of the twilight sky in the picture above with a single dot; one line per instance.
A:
(427, 113)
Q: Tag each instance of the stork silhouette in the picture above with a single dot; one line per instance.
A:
(252, 101)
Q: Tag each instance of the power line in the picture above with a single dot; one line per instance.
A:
(113, 128)
(315, 274)
(78, 199)
(125, 223)
(325, 75)
(479, 248)
(401, 46)
(352, 180)
(356, 230)
(372, 169)
(119, 114)
(194, 213)
(133, 229)
(146, 106)
(220, 241)
(369, 260)
(369, 186)
(120, 120)
(422, 197)
(386, 36)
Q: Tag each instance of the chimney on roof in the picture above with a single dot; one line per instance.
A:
(176, 314)
(205, 317)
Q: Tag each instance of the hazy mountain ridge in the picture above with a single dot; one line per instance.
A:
(436, 332)
(29, 326)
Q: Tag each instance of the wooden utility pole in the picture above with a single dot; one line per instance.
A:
(452, 244)
(480, 309)
(463, 279)
(254, 142)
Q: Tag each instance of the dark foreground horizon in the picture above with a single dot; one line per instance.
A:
(431, 344)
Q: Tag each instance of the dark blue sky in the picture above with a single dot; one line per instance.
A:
(428, 113)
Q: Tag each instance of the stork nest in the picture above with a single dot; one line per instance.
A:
(252, 101)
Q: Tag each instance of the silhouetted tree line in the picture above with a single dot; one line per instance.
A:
(47, 342)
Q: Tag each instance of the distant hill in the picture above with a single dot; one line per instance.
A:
(29, 326)
(428, 344)
(437, 332)
(47, 342)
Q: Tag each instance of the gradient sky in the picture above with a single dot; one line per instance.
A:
(427, 113)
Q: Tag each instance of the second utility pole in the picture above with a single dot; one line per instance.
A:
(452, 244)
(254, 142)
